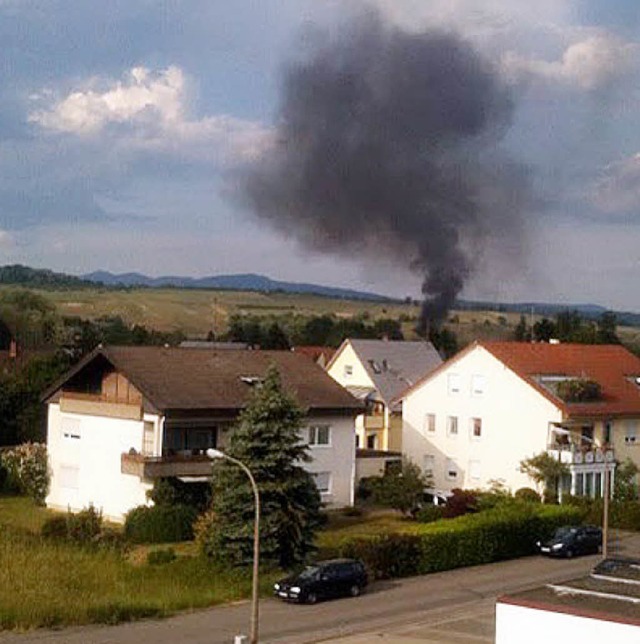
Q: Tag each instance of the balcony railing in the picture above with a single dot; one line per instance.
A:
(574, 455)
(373, 422)
(152, 467)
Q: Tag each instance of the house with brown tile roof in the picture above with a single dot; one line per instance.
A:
(477, 416)
(125, 416)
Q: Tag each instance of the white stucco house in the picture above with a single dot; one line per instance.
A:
(376, 371)
(477, 416)
(126, 416)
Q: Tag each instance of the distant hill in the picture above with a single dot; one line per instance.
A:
(18, 275)
(242, 282)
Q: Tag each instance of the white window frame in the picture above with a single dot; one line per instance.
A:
(325, 489)
(451, 470)
(474, 470)
(148, 446)
(452, 424)
(453, 384)
(631, 433)
(478, 385)
(472, 428)
(429, 423)
(315, 435)
(69, 477)
(347, 370)
(429, 464)
(70, 428)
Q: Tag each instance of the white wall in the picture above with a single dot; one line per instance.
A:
(520, 625)
(348, 357)
(515, 421)
(86, 470)
(338, 458)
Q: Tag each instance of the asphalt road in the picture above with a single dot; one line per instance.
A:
(409, 610)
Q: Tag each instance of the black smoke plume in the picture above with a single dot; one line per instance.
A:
(387, 145)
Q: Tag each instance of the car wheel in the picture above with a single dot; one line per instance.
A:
(312, 598)
(355, 590)
(569, 554)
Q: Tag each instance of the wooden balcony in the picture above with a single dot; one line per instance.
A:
(153, 467)
(97, 405)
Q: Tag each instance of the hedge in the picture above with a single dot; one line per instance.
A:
(623, 515)
(493, 535)
(160, 523)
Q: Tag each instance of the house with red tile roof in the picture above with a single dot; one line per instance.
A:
(476, 417)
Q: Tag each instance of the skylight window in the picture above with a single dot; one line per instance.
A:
(252, 380)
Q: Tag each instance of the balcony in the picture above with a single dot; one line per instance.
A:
(374, 422)
(153, 467)
(573, 455)
(98, 405)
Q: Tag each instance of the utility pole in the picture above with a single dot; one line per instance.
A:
(605, 514)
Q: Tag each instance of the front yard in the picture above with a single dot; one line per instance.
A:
(56, 584)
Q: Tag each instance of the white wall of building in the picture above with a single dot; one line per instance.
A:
(347, 369)
(514, 423)
(337, 459)
(84, 459)
(521, 625)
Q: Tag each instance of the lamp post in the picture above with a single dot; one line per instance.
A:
(215, 453)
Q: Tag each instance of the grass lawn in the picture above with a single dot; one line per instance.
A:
(49, 584)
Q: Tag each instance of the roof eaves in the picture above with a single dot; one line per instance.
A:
(81, 364)
(336, 353)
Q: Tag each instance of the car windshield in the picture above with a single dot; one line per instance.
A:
(563, 532)
(309, 572)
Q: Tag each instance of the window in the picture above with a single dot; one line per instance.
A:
(630, 436)
(430, 423)
(475, 427)
(69, 476)
(452, 425)
(478, 385)
(607, 431)
(320, 435)
(451, 470)
(323, 482)
(428, 464)
(147, 438)
(474, 470)
(372, 441)
(348, 371)
(453, 383)
(70, 428)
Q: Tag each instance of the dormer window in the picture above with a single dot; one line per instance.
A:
(375, 366)
(252, 380)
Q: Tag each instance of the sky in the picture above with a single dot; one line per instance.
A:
(123, 125)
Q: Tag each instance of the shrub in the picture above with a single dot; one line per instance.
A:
(159, 557)
(173, 491)
(623, 515)
(27, 470)
(527, 495)
(160, 524)
(110, 539)
(55, 527)
(460, 502)
(429, 513)
(503, 533)
(84, 526)
(401, 488)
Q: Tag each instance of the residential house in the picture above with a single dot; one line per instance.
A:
(475, 418)
(126, 416)
(376, 371)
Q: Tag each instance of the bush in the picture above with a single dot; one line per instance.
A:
(504, 533)
(159, 557)
(173, 491)
(429, 513)
(83, 527)
(55, 527)
(623, 515)
(460, 502)
(160, 524)
(28, 470)
(527, 495)
(110, 539)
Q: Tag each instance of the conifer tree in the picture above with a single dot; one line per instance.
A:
(267, 440)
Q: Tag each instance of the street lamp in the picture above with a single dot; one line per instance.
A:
(216, 453)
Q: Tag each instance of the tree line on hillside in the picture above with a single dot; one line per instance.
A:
(570, 326)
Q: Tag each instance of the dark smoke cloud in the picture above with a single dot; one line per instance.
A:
(386, 144)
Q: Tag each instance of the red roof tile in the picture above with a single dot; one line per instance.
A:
(613, 367)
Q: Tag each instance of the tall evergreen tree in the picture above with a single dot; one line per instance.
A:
(267, 440)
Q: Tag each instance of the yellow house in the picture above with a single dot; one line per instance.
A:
(376, 371)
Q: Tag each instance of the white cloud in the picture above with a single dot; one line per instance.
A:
(618, 189)
(590, 64)
(149, 110)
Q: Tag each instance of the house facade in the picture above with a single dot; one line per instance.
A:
(127, 416)
(474, 419)
(376, 371)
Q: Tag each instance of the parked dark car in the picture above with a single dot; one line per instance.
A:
(324, 580)
(569, 541)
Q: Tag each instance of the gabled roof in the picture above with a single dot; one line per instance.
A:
(613, 367)
(179, 378)
(393, 365)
